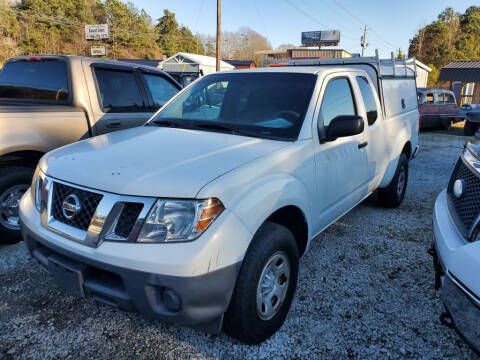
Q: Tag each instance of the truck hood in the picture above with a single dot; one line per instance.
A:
(153, 161)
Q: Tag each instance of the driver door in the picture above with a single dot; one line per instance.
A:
(341, 165)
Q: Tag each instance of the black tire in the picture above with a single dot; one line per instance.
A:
(11, 176)
(393, 194)
(469, 128)
(447, 124)
(242, 321)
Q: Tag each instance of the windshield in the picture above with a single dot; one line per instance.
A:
(268, 105)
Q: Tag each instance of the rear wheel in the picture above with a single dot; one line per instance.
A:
(14, 181)
(469, 128)
(265, 286)
(393, 194)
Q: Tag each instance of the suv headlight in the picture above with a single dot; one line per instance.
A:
(39, 189)
(172, 220)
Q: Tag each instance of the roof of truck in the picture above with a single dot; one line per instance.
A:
(288, 69)
(93, 59)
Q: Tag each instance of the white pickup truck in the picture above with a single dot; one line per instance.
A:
(200, 216)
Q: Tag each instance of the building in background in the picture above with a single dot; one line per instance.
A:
(242, 64)
(464, 78)
(278, 56)
(186, 67)
(422, 71)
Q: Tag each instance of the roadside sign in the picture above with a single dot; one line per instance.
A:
(328, 37)
(96, 32)
(99, 50)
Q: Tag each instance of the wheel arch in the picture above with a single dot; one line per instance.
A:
(28, 158)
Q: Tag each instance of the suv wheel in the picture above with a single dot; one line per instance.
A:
(265, 285)
(393, 194)
(14, 181)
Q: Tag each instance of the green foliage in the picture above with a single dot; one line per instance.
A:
(453, 36)
(400, 54)
(173, 38)
(58, 27)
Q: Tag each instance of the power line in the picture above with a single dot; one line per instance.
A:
(353, 16)
(306, 14)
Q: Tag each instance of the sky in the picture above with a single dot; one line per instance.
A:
(390, 24)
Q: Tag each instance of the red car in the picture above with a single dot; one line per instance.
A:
(437, 107)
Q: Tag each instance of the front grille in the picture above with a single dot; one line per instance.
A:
(127, 219)
(466, 208)
(88, 200)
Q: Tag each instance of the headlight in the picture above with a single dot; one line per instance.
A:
(39, 189)
(179, 220)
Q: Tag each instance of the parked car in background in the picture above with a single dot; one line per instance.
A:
(471, 114)
(437, 107)
(456, 228)
(211, 234)
(48, 101)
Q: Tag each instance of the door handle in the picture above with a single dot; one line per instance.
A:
(362, 145)
(113, 124)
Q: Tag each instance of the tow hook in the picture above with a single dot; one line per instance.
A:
(446, 320)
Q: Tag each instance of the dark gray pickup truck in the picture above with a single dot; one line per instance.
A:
(48, 101)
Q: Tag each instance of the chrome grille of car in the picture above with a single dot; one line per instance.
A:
(466, 208)
(100, 216)
(88, 200)
(127, 219)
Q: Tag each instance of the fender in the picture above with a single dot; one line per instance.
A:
(401, 140)
(261, 198)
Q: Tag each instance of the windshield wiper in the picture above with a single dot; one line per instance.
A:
(226, 128)
(170, 123)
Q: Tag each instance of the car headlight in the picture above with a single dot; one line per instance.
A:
(39, 189)
(172, 220)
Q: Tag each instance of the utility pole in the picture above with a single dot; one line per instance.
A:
(219, 30)
(363, 40)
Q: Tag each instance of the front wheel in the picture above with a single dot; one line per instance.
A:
(393, 194)
(14, 181)
(265, 286)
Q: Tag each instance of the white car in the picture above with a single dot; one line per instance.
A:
(456, 226)
(200, 216)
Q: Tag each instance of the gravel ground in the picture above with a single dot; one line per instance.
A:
(365, 291)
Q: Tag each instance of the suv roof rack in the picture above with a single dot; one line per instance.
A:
(386, 68)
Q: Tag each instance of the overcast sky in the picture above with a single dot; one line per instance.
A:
(390, 23)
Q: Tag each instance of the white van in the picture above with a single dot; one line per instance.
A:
(200, 216)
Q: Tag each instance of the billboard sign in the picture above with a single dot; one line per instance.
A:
(96, 32)
(328, 37)
(99, 50)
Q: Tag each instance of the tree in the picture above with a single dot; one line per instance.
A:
(400, 55)
(452, 36)
(172, 38)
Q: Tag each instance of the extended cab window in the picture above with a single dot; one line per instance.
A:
(337, 100)
(368, 99)
(119, 90)
(37, 79)
(440, 98)
(161, 89)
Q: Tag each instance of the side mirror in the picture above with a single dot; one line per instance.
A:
(344, 125)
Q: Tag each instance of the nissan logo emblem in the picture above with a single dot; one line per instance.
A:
(458, 188)
(71, 206)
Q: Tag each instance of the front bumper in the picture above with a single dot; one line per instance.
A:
(201, 274)
(457, 263)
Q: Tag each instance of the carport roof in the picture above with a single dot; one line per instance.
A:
(464, 71)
